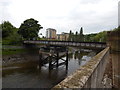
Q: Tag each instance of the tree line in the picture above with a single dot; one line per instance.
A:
(77, 36)
(29, 29)
(80, 37)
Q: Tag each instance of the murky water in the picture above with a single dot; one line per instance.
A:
(28, 75)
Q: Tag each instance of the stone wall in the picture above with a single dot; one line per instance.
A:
(113, 40)
(114, 44)
(88, 76)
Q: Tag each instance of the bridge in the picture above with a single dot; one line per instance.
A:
(91, 45)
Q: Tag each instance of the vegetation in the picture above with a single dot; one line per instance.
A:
(70, 36)
(89, 37)
(77, 36)
(29, 29)
(9, 34)
(7, 29)
(80, 37)
(12, 51)
(101, 37)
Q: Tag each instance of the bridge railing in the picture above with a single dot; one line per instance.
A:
(70, 43)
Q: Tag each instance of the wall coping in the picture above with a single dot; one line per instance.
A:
(79, 78)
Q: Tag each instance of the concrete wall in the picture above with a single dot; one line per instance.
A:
(114, 44)
(116, 69)
(113, 40)
(88, 76)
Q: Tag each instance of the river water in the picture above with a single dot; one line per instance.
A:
(28, 75)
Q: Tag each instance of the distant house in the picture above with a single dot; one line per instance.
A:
(51, 33)
(63, 36)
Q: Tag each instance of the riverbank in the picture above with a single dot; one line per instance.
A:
(12, 49)
(17, 54)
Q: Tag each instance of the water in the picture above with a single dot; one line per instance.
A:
(28, 75)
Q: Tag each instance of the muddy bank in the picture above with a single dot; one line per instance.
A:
(19, 58)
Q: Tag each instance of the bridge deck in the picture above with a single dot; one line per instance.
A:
(68, 43)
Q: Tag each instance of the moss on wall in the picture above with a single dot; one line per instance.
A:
(114, 40)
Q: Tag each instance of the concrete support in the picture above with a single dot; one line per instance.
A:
(50, 62)
(114, 44)
(57, 61)
(40, 60)
(66, 59)
(115, 69)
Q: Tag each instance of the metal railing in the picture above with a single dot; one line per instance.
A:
(68, 43)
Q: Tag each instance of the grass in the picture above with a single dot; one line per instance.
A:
(12, 51)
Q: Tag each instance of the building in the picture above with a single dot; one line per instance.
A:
(51, 33)
(63, 37)
(119, 13)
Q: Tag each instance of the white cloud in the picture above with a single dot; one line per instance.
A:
(63, 15)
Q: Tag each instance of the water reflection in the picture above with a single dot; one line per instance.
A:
(28, 75)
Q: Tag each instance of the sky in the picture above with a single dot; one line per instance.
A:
(63, 15)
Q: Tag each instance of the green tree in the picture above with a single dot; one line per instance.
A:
(7, 29)
(9, 34)
(90, 37)
(81, 31)
(76, 36)
(81, 36)
(29, 29)
(70, 36)
(15, 38)
(101, 37)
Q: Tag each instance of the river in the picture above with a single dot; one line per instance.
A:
(28, 75)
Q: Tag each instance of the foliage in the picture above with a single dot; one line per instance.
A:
(70, 36)
(12, 51)
(7, 29)
(101, 37)
(97, 37)
(77, 36)
(116, 29)
(81, 36)
(89, 37)
(29, 29)
(9, 34)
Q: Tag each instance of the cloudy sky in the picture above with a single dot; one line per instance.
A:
(63, 15)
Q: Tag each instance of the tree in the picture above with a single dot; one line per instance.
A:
(90, 37)
(101, 37)
(7, 29)
(81, 36)
(76, 36)
(70, 36)
(29, 29)
(9, 34)
(81, 31)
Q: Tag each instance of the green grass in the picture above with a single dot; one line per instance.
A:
(12, 51)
